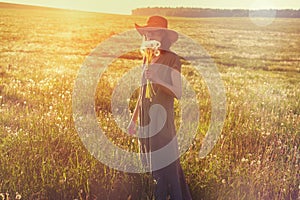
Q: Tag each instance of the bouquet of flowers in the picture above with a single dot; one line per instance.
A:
(149, 49)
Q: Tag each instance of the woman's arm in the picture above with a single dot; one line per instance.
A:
(174, 89)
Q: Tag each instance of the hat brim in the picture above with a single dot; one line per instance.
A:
(172, 35)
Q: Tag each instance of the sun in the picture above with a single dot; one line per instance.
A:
(262, 13)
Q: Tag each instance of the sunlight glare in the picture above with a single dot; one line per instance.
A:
(262, 13)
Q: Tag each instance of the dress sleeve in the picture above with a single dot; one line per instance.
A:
(177, 64)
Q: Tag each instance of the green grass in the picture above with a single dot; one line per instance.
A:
(42, 157)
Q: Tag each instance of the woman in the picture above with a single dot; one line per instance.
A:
(164, 73)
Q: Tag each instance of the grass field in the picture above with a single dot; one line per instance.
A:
(41, 155)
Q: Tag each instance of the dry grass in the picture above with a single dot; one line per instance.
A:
(42, 157)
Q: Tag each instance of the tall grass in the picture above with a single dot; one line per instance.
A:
(42, 157)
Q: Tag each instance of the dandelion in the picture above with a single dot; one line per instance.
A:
(258, 162)
(149, 90)
(18, 196)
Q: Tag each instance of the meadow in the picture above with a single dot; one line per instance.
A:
(42, 157)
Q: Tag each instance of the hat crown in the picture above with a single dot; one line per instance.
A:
(157, 21)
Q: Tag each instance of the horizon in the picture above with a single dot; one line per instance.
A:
(126, 8)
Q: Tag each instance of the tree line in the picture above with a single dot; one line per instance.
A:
(208, 12)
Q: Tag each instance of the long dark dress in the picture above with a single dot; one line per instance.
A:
(170, 180)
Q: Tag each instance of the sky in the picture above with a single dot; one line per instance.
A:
(125, 6)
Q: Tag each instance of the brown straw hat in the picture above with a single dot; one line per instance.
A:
(157, 23)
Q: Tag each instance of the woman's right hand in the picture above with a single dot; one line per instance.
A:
(132, 128)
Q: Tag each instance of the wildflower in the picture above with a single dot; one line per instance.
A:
(149, 90)
(148, 53)
(18, 196)
(258, 162)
